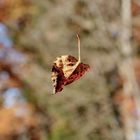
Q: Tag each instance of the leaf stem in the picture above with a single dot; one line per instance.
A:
(79, 51)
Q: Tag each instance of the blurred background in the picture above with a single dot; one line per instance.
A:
(104, 104)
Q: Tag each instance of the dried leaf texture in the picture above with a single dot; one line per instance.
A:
(66, 69)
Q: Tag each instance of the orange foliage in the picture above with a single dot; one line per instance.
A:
(12, 80)
(135, 8)
(15, 121)
(14, 9)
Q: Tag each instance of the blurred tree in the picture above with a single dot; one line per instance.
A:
(44, 29)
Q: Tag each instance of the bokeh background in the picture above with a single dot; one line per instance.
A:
(102, 105)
